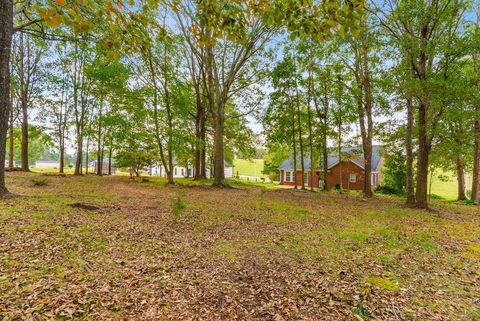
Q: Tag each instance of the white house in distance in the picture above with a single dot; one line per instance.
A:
(47, 164)
(181, 171)
(7, 163)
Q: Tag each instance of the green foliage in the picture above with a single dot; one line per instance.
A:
(40, 143)
(178, 205)
(394, 172)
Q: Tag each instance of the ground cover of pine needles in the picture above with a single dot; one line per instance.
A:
(112, 248)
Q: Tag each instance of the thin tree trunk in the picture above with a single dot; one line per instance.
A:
(110, 151)
(11, 151)
(294, 144)
(6, 31)
(460, 178)
(300, 139)
(86, 156)
(310, 135)
(367, 134)
(409, 151)
(476, 160)
(62, 159)
(24, 106)
(476, 155)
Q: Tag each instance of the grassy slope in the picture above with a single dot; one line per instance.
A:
(179, 252)
(448, 189)
(247, 167)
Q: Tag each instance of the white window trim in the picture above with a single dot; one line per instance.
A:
(353, 178)
(291, 176)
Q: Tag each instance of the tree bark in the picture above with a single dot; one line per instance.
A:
(460, 178)
(300, 139)
(24, 105)
(476, 160)
(110, 151)
(11, 151)
(294, 144)
(422, 158)
(409, 154)
(62, 159)
(219, 165)
(476, 156)
(310, 134)
(6, 31)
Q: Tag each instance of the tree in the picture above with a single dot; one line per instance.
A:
(476, 124)
(423, 31)
(6, 31)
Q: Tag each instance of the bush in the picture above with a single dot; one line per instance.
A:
(178, 205)
(39, 181)
(388, 190)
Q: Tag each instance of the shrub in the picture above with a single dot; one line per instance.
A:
(39, 181)
(388, 190)
(178, 205)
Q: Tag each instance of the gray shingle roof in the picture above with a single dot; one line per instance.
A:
(355, 153)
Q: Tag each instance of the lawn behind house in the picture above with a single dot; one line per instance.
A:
(145, 251)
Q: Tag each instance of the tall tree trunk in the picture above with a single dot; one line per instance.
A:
(409, 151)
(310, 134)
(200, 135)
(476, 155)
(219, 163)
(294, 144)
(422, 158)
(25, 166)
(300, 139)
(99, 141)
(78, 162)
(110, 151)
(460, 178)
(367, 131)
(62, 159)
(11, 151)
(24, 105)
(476, 160)
(6, 30)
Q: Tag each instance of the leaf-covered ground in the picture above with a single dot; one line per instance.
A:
(153, 252)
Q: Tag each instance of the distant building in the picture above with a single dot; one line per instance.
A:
(7, 163)
(47, 164)
(105, 165)
(350, 171)
(183, 172)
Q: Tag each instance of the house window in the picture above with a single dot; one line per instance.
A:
(374, 179)
(175, 171)
(288, 176)
(305, 178)
(183, 171)
(353, 178)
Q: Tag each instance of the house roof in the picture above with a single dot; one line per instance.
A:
(355, 155)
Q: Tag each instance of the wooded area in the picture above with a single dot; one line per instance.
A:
(174, 82)
(142, 152)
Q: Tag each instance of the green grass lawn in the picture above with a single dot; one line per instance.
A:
(143, 250)
(248, 167)
(445, 189)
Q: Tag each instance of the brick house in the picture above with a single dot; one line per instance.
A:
(350, 171)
